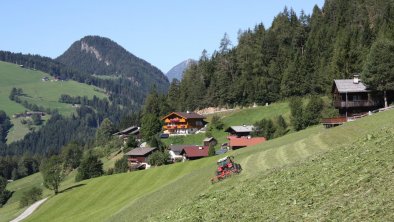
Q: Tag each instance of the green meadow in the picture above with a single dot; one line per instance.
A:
(314, 174)
(37, 92)
(235, 117)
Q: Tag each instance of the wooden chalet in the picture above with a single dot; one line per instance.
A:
(181, 123)
(139, 155)
(240, 131)
(351, 96)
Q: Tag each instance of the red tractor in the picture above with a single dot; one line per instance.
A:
(226, 167)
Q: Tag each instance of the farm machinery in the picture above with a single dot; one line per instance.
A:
(226, 168)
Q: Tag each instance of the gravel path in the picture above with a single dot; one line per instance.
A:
(29, 210)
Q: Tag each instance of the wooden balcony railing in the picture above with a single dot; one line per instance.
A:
(350, 104)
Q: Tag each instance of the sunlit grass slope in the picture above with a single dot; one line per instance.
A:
(236, 117)
(41, 93)
(12, 209)
(175, 192)
(45, 94)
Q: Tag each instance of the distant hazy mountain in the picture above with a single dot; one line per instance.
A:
(102, 56)
(177, 71)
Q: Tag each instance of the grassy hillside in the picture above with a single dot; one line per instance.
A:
(236, 117)
(12, 210)
(37, 92)
(297, 173)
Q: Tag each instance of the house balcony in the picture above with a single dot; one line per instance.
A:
(353, 104)
(177, 126)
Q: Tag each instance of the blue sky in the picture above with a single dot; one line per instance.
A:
(164, 33)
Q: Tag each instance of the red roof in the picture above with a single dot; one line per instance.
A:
(245, 141)
(196, 151)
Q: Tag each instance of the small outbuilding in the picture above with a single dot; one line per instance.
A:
(210, 141)
(240, 131)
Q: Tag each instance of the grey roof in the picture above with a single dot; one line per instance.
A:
(208, 139)
(140, 151)
(347, 85)
(177, 149)
(131, 130)
(241, 129)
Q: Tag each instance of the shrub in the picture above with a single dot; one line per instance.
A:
(158, 158)
(121, 165)
(30, 196)
(217, 123)
(4, 194)
(91, 166)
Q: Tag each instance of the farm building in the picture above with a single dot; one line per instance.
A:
(28, 114)
(241, 142)
(182, 123)
(139, 156)
(195, 152)
(133, 130)
(210, 141)
(240, 131)
(351, 96)
(176, 150)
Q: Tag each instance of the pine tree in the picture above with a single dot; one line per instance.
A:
(379, 69)
(297, 113)
(104, 132)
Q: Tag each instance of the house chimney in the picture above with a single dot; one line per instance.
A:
(356, 79)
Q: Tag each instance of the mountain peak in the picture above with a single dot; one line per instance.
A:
(177, 71)
(102, 56)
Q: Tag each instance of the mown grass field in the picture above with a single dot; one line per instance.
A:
(37, 92)
(315, 174)
(12, 210)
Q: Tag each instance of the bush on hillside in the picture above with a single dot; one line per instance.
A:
(91, 166)
(4, 194)
(217, 123)
(29, 197)
(121, 165)
(158, 158)
(265, 128)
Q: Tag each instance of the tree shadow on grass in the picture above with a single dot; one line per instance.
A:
(72, 187)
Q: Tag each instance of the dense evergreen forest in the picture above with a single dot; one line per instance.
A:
(298, 55)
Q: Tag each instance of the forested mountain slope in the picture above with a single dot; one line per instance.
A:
(297, 55)
(102, 56)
